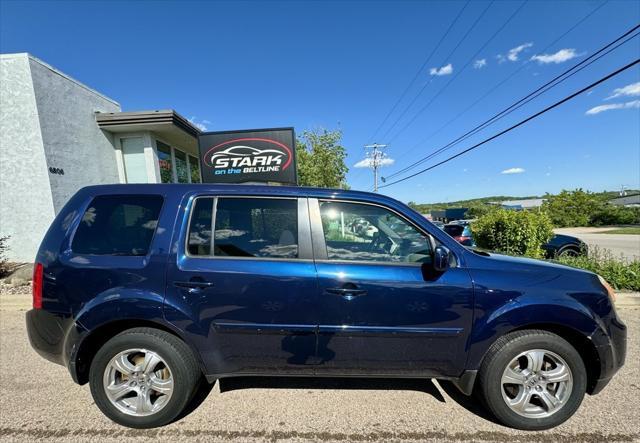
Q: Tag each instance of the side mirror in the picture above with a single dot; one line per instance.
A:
(441, 259)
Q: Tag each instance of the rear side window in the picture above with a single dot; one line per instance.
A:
(245, 227)
(118, 225)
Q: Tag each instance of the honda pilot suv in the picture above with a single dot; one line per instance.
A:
(148, 291)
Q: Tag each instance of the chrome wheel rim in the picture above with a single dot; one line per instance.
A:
(537, 383)
(138, 382)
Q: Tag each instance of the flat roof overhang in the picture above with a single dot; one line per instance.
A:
(167, 125)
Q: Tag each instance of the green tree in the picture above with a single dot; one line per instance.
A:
(477, 211)
(321, 159)
(513, 232)
(572, 208)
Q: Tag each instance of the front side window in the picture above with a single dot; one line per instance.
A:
(118, 225)
(256, 227)
(360, 232)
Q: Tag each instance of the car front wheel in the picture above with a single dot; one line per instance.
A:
(532, 380)
(143, 378)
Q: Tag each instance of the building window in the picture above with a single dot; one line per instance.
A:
(182, 172)
(165, 163)
(194, 169)
(135, 165)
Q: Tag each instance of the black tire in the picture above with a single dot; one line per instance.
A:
(507, 348)
(568, 251)
(178, 357)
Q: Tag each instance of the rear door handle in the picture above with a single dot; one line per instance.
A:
(348, 293)
(193, 286)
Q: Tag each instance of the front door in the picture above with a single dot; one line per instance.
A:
(383, 309)
(247, 294)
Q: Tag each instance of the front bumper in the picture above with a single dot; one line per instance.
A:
(612, 352)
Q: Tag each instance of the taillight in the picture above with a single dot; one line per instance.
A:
(37, 286)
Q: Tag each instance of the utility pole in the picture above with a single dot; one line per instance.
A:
(376, 156)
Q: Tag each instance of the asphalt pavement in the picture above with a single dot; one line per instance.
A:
(625, 245)
(38, 401)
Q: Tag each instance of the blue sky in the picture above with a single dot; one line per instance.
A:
(344, 64)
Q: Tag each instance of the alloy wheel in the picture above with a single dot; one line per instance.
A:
(138, 382)
(537, 383)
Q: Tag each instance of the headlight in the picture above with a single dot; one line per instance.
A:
(607, 286)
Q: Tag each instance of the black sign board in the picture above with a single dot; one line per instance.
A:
(256, 155)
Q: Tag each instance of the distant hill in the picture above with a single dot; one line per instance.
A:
(474, 202)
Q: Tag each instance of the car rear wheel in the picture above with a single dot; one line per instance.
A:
(143, 378)
(532, 380)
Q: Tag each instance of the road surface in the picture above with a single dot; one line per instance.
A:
(626, 245)
(38, 401)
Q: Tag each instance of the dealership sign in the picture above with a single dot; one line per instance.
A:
(261, 155)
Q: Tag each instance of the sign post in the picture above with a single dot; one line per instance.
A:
(249, 156)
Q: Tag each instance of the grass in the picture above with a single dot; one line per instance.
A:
(618, 273)
(632, 230)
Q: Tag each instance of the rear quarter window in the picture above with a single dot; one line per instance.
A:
(118, 225)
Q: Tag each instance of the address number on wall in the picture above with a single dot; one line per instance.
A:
(58, 171)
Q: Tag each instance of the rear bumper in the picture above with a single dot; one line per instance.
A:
(53, 337)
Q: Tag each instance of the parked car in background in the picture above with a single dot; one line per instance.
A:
(461, 233)
(560, 245)
(148, 291)
(438, 224)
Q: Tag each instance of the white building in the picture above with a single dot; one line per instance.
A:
(58, 135)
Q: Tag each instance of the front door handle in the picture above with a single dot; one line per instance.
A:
(193, 286)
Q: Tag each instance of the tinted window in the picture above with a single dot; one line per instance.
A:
(364, 232)
(118, 225)
(256, 227)
(199, 239)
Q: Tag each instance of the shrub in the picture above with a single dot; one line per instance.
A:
(618, 273)
(513, 232)
(615, 215)
(5, 268)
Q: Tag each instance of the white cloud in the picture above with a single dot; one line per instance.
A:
(514, 53)
(366, 162)
(628, 105)
(444, 70)
(559, 57)
(480, 63)
(513, 171)
(628, 91)
(200, 125)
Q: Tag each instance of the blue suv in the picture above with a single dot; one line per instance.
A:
(147, 292)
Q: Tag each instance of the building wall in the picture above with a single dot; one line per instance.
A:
(26, 207)
(72, 140)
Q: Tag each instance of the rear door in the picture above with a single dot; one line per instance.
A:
(243, 283)
(383, 308)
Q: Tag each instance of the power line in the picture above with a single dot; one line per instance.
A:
(522, 122)
(531, 96)
(448, 57)
(510, 76)
(452, 79)
(420, 70)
